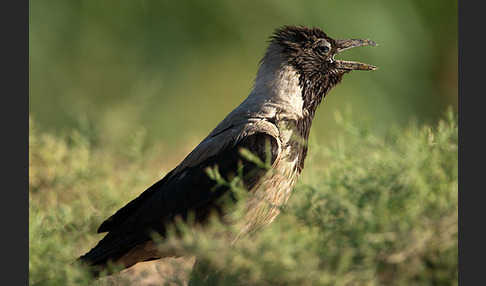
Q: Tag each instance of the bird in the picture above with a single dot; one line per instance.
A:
(273, 123)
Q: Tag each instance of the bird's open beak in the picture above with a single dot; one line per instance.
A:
(343, 45)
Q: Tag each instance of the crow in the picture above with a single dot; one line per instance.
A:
(273, 123)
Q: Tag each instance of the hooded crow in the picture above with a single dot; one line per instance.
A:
(273, 122)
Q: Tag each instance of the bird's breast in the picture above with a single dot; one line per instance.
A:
(274, 189)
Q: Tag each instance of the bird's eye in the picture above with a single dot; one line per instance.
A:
(323, 49)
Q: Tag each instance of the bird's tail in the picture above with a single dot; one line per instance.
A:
(105, 256)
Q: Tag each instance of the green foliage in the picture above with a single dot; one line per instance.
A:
(368, 210)
(73, 186)
(383, 212)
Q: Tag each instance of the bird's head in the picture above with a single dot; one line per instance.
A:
(311, 53)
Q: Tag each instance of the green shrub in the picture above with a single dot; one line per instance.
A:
(369, 210)
(382, 212)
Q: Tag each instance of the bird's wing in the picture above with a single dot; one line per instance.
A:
(188, 188)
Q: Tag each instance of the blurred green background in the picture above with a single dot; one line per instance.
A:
(174, 69)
